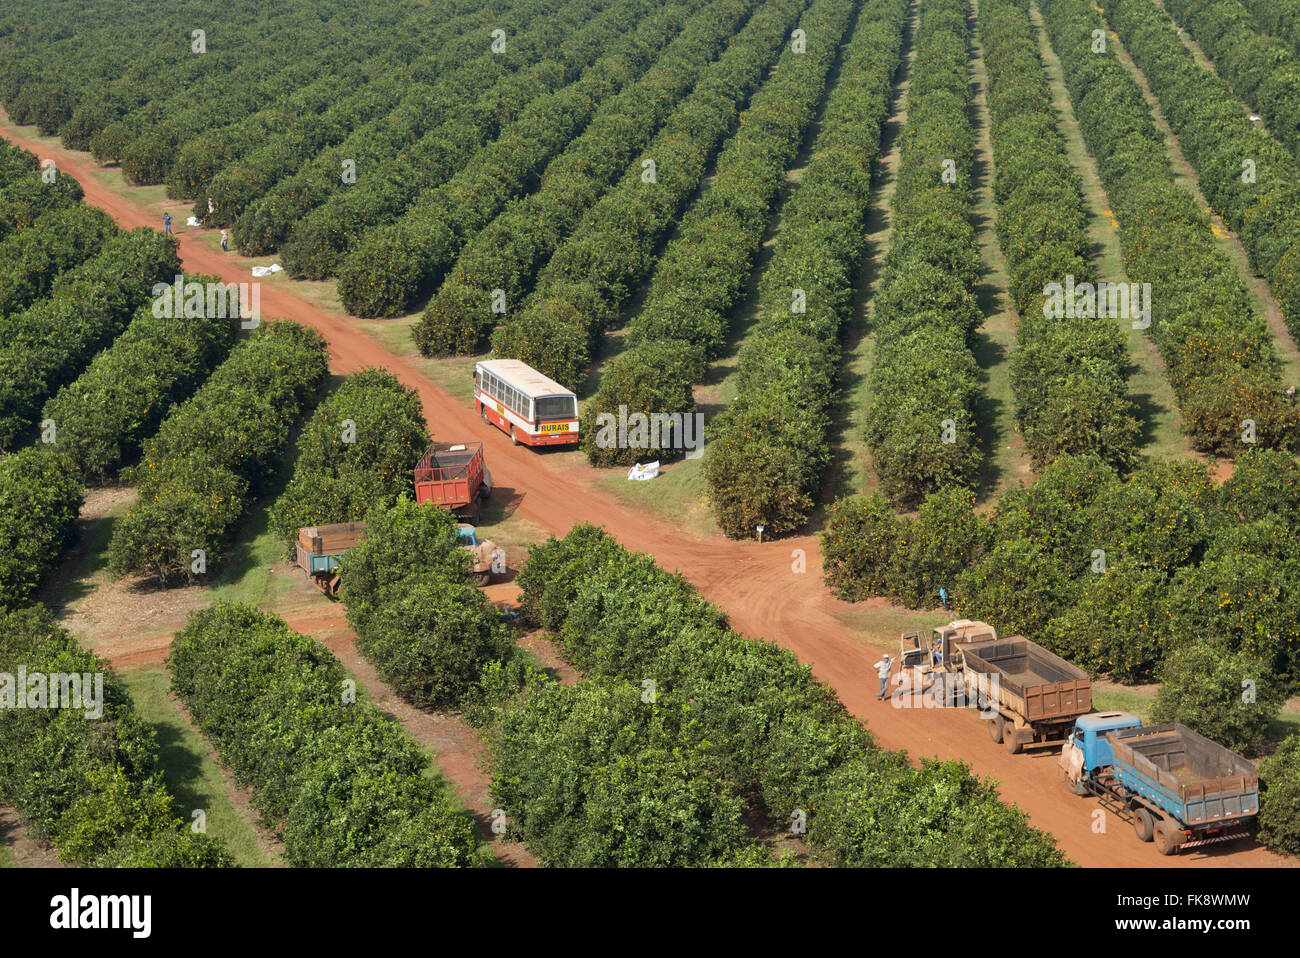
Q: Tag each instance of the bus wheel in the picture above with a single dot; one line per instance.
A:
(512, 434)
(1143, 824)
(482, 411)
(995, 728)
(1167, 841)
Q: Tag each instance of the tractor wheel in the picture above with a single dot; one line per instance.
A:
(1167, 839)
(995, 728)
(1009, 740)
(1143, 824)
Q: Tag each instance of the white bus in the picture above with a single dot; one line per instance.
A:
(524, 404)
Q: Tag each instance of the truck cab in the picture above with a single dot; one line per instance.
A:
(1087, 749)
(1089, 736)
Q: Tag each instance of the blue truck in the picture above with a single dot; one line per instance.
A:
(1176, 788)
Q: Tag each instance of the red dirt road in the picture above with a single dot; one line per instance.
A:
(755, 584)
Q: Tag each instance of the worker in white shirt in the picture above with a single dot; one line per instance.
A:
(883, 668)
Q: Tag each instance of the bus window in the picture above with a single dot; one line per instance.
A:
(556, 407)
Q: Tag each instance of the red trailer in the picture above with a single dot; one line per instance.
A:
(454, 476)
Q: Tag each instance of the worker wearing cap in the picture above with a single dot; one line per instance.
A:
(883, 668)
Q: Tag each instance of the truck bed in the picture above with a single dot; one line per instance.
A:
(1035, 683)
(450, 474)
(336, 537)
(1186, 774)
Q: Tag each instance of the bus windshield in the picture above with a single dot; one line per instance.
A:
(556, 407)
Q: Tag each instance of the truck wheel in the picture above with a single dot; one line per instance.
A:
(1143, 824)
(995, 728)
(1009, 740)
(1167, 840)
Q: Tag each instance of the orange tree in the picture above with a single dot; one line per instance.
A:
(40, 499)
(743, 711)
(92, 789)
(769, 450)
(357, 451)
(201, 471)
(47, 345)
(924, 379)
(426, 629)
(340, 780)
(508, 253)
(596, 270)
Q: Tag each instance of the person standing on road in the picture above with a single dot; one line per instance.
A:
(167, 223)
(225, 238)
(883, 668)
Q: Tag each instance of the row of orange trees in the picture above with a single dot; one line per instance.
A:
(172, 106)
(769, 451)
(367, 111)
(101, 418)
(1218, 351)
(595, 271)
(703, 272)
(324, 237)
(924, 381)
(340, 781)
(1067, 371)
(201, 471)
(1246, 175)
(508, 253)
(356, 453)
(70, 281)
(1263, 70)
(91, 787)
(1279, 18)
(48, 344)
(386, 272)
(446, 87)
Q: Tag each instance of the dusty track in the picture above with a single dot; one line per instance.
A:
(754, 583)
